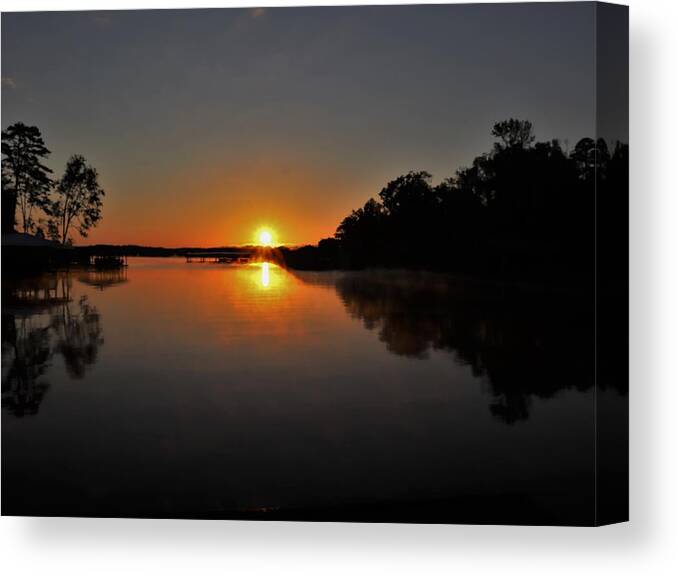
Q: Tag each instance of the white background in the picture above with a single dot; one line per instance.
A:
(646, 545)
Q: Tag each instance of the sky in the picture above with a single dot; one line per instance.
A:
(207, 125)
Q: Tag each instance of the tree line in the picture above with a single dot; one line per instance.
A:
(44, 206)
(524, 210)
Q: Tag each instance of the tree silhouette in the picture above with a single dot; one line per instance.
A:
(522, 211)
(362, 234)
(78, 201)
(513, 133)
(410, 205)
(25, 180)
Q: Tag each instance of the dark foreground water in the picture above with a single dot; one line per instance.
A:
(189, 390)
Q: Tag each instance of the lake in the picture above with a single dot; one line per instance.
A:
(170, 389)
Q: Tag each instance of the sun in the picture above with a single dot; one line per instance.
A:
(265, 237)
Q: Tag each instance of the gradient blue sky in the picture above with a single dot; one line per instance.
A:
(207, 124)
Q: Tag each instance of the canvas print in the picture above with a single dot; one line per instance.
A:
(361, 263)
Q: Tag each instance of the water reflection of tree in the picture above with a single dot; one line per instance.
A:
(523, 343)
(25, 357)
(78, 337)
(40, 320)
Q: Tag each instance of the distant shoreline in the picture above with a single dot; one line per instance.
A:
(307, 258)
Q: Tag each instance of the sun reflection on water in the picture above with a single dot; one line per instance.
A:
(265, 277)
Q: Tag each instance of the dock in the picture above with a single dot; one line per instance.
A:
(107, 261)
(242, 257)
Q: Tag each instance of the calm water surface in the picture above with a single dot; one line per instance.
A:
(174, 389)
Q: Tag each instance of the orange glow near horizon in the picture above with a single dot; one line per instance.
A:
(213, 203)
